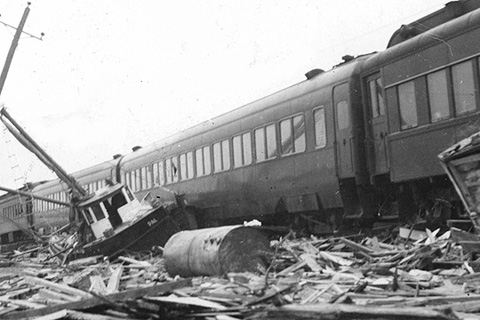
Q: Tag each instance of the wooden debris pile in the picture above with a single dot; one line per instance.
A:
(357, 277)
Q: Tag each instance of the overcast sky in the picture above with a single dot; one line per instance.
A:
(110, 75)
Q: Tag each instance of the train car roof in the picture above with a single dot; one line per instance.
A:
(451, 10)
(339, 74)
(425, 39)
(80, 176)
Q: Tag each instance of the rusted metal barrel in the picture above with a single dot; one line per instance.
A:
(216, 251)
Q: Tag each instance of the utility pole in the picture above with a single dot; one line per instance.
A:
(13, 46)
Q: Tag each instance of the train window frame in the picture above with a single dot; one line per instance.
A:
(183, 166)
(242, 150)
(376, 96)
(138, 179)
(158, 174)
(437, 98)
(221, 156)
(171, 170)
(288, 124)
(203, 161)
(408, 119)
(186, 166)
(343, 114)
(320, 144)
(460, 84)
(263, 145)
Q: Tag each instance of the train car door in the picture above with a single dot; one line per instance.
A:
(343, 130)
(377, 126)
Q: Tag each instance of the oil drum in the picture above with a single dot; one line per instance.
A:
(216, 251)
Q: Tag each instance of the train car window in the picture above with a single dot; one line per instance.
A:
(161, 173)
(299, 133)
(221, 156)
(237, 152)
(217, 157)
(199, 162)
(292, 135)
(320, 128)
(168, 170)
(138, 179)
(190, 167)
(438, 95)
(343, 116)
(175, 169)
(207, 160)
(408, 105)
(133, 185)
(171, 167)
(145, 179)
(463, 87)
(247, 148)
(259, 136)
(158, 178)
(127, 179)
(286, 136)
(271, 140)
(226, 154)
(376, 93)
(242, 150)
(183, 167)
(203, 161)
(265, 143)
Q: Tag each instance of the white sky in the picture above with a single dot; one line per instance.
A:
(110, 75)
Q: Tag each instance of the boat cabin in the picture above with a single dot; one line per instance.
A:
(109, 208)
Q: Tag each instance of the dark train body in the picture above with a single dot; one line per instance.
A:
(354, 142)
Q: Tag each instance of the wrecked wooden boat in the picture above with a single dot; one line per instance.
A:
(108, 221)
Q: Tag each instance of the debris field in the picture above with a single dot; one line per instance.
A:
(409, 274)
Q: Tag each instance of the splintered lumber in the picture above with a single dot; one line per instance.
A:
(292, 268)
(114, 281)
(93, 302)
(134, 262)
(190, 301)
(58, 287)
(50, 294)
(343, 311)
(97, 285)
(356, 247)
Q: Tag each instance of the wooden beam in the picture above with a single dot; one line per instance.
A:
(93, 302)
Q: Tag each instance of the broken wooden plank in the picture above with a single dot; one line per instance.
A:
(292, 268)
(189, 301)
(56, 286)
(97, 285)
(134, 262)
(356, 247)
(93, 302)
(114, 281)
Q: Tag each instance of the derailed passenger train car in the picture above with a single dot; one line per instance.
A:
(421, 95)
(357, 141)
(299, 150)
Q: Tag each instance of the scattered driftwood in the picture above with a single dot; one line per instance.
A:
(426, 276)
